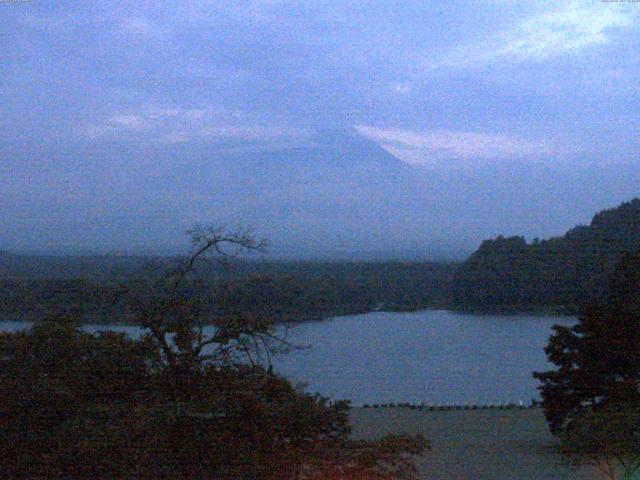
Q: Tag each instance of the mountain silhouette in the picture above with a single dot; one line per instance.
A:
(334, 194)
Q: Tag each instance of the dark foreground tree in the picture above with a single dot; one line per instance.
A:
(182, 401)
(592, 399)
(598, 359)
(606, 438)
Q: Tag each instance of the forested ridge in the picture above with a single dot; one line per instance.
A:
(562, 272)
(31, 286)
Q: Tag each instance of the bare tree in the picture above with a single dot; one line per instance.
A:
(172, 305)
(221, 377)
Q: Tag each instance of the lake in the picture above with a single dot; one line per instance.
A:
(430, 356)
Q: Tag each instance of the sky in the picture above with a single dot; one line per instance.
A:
(452, 87)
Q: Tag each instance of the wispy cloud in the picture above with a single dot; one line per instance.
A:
(253, 132)
(178, 125)
(142, 26)
(436, 147)
(566, 29)
(142, 123)
(402, 88)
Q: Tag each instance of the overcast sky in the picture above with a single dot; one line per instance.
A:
(446, 84)
(463, 79)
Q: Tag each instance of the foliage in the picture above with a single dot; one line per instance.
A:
(592, 399)
(175, 403)
(607, 438)
(598, 361)
(31, 286)
(53, 381)
(564, 272)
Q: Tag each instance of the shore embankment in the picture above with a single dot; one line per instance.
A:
(475, 444)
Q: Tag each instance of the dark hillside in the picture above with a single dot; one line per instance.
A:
(563, 272)
(32, 286)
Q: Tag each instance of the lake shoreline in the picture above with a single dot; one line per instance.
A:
(293, 319)
(431, 356)
(515, 310)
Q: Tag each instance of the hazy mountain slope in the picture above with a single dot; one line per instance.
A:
(334, 196)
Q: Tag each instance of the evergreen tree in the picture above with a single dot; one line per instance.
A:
(597, 360)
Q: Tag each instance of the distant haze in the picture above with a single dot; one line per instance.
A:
(335, 131)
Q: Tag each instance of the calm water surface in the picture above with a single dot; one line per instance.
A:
(431, 356)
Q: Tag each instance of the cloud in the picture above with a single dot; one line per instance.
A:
(254, 132)
(129, 122)
(402, 88)
(142, 26)
(443, 146)
(179, 125)
(125, 124)
(567, 29)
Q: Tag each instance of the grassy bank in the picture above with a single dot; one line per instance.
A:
(475, 444)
